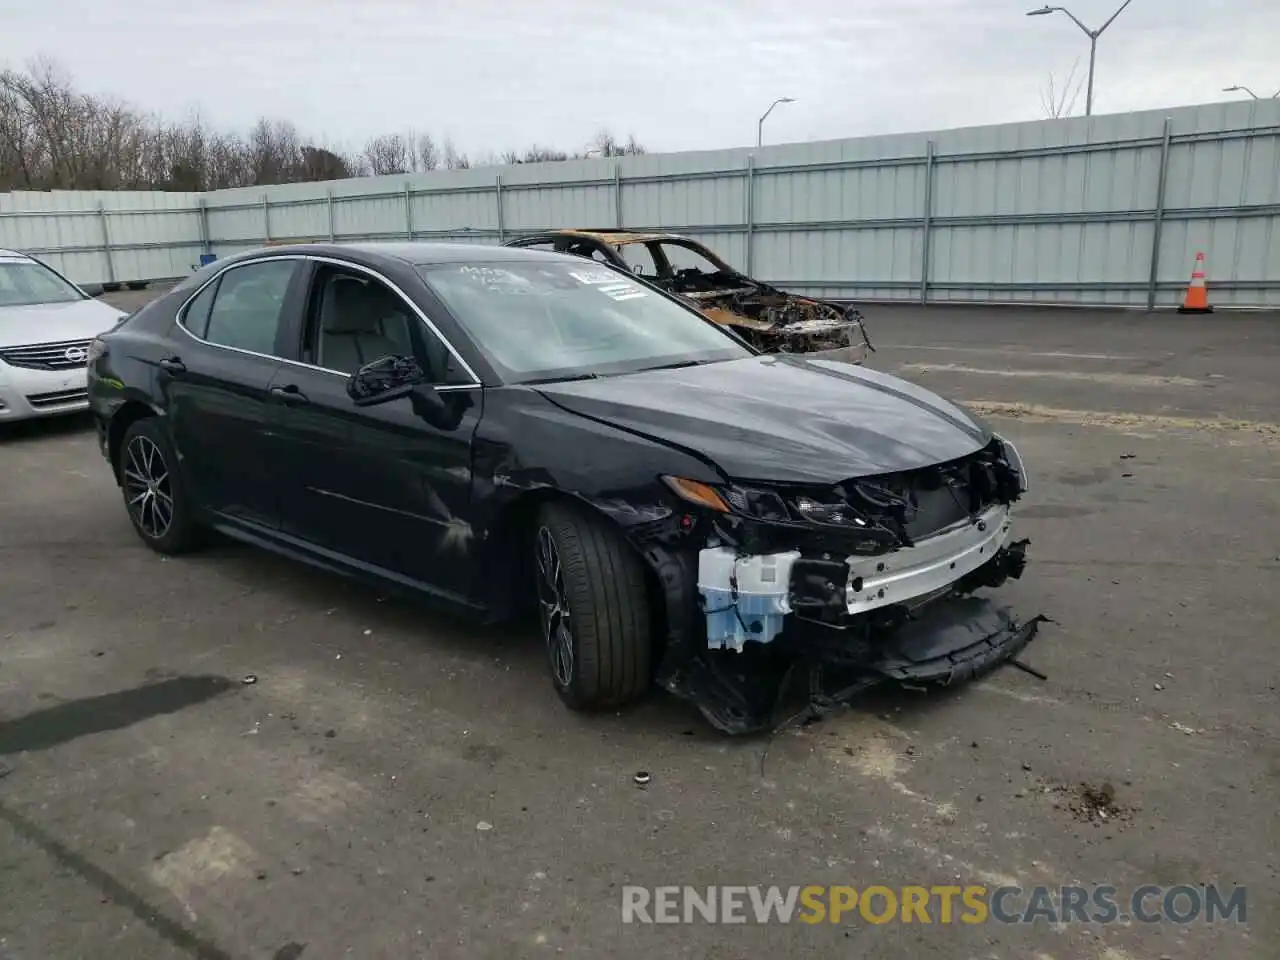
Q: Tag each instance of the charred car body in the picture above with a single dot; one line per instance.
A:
(769, 319)
(504, 429)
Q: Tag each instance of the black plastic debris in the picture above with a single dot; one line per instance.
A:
(250, 678)
(642, 778)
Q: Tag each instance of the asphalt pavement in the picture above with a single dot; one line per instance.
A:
(231, 756)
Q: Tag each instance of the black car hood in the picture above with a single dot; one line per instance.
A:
(783, 417)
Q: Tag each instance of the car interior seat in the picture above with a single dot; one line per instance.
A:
(355, 319)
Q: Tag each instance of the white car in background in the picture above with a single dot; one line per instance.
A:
(46, 325)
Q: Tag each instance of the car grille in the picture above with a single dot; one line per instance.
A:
(42, 401)
(48, 356)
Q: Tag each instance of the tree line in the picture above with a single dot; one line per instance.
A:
(56, 137)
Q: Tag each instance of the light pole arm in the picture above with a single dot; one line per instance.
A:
(763, 117)
(1074, 19)
(1114, 15)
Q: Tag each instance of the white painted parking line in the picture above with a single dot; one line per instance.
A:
(1120, 379)
(1014, 351)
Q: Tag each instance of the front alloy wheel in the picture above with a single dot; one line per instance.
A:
(557, 630)
(594, 608)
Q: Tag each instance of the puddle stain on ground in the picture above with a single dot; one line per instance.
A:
(218, 855)
(323, 795)
(52, 726)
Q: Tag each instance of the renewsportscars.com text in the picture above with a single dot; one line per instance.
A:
(941, 904)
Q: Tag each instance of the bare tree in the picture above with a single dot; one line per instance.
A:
(53, 136)
(453, 159)
(1059, 100)
(428, 153)
(275, 155)
(607, 145)
(388, 153)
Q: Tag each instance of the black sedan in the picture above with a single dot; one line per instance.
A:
(506, 430)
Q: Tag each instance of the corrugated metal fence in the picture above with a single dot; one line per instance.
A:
(1102, 210)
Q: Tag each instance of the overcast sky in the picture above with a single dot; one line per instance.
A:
(494, 74)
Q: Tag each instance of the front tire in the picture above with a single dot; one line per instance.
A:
(154, 494)
(594, 609)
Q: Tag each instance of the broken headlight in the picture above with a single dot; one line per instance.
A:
(828, 514)
(760, 504)
(770, 506)
(1015, 461)
(747, 501)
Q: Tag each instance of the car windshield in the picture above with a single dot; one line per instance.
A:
(546, 320)
(23, 282)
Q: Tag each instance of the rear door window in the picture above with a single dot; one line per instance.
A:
(196, 318)
(248, 306)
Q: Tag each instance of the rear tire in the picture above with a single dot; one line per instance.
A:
(154, 494)
(594, 609)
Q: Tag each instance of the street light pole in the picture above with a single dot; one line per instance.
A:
(1093, 36)
(760, 124)
(1241, 88)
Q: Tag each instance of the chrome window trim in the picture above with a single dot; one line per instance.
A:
(181, 313)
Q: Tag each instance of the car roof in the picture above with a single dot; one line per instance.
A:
(411, 252)
(13, 255)
(615, 237)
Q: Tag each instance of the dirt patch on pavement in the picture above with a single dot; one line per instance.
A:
(1258, 430)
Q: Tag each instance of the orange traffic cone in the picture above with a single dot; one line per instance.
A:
(1197, 298)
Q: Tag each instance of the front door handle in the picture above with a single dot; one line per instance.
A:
(173, 365)
(290, 394)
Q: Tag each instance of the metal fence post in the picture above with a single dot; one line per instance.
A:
(925, 223)
(328, 199)
(617, 194)
(106, 242)
(750, 202)
(408, 211)
(266, 220)
(502, 230)
(1158, 223)
(205, 246)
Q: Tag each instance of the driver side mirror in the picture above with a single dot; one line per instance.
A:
(384, 380)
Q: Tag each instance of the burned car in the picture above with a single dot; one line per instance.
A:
(508, 431)
(769, 319)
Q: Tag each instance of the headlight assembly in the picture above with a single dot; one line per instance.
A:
(771, 506)
(1015, 461)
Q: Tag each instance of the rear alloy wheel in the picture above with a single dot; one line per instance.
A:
(594, 610)
(153, 490)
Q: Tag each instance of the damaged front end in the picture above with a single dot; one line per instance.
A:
(830, 591)
(773, 320)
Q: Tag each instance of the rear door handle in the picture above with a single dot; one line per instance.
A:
(290, 394)
(173, 365)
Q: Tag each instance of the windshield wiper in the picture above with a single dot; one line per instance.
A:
(567, 378)
(675, 366)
